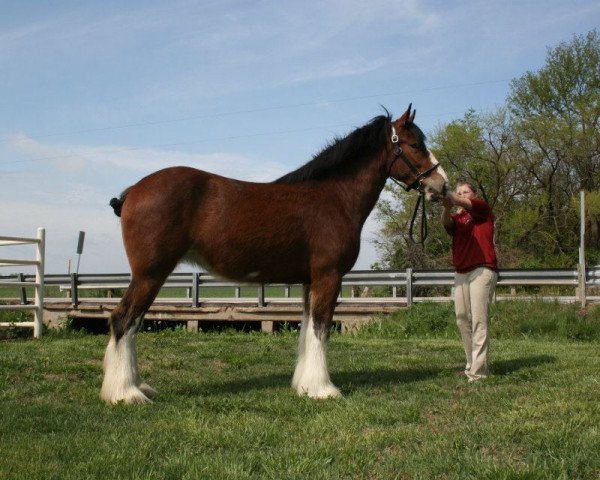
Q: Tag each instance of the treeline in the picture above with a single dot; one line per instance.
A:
(530, 159)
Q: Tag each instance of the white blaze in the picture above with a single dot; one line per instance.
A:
(439, 169)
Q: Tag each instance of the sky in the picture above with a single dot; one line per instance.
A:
(98, 94)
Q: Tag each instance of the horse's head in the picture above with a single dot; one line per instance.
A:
(411, 162)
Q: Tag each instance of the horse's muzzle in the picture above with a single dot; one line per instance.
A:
(432, 193)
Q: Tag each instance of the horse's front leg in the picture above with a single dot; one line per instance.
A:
(311, 377)
(302, 340)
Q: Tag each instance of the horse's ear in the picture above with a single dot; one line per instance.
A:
(411, 119)
(404, 120)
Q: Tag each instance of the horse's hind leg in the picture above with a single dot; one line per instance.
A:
(311, 376)
(122, 380)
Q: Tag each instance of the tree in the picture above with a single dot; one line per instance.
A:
(557, 113)
(396, 249)
(480, 149)
(529, 159)
(558, 109)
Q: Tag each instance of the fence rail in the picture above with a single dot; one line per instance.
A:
(20, 280)
(407, 280)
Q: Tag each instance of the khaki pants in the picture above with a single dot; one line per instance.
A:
(473, 292)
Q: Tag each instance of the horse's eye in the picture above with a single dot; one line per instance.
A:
(415, 146)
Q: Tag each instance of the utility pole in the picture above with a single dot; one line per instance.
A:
(582, 292)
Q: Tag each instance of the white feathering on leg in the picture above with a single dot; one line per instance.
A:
(311, 377)
(301, 351)
(121, 378)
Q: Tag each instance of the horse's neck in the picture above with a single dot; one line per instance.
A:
(361, 189)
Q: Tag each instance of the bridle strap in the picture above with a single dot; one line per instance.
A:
(419, 176)
(399, 154)
(416, 185)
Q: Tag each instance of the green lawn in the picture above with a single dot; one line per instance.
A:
(226, 410)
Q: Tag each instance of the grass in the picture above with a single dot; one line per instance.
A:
(226, 409)
(508, 319)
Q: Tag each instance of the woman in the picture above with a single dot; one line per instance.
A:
(474, 258)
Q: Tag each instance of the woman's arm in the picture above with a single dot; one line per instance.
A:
(454, 199)
(447, 221)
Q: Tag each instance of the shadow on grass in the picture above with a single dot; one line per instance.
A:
(348, 382)
(351, 382)
(506, 367)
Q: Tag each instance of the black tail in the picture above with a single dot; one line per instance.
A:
(117, 203)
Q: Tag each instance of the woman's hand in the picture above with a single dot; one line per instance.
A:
(448, 200)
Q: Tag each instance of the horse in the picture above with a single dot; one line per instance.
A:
(303, 228)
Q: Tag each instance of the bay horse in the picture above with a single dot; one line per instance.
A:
(303, 228)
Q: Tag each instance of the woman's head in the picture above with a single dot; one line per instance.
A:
(466, 190)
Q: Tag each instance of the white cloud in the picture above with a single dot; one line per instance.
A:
(66, 201)
(103, 251)
(64, 205)
(140, 160)
(79, 67)
(61, 157)
(286, 43)
(368, 253)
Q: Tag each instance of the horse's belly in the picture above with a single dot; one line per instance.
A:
(253, 265)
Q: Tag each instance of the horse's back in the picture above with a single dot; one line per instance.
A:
(257, 232)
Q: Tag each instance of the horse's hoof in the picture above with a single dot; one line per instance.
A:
(148, 390)
(133, 396)
(319, 393)
(136, 398)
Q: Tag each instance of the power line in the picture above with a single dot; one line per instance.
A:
(239, 112)
(264, 109)
(177, 144)
(166, 145)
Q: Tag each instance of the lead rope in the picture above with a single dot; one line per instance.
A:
(420, 200)
(424, 232)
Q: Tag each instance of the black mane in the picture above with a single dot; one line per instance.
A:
(359, 144)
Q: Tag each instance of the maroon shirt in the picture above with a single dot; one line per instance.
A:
(473, 238)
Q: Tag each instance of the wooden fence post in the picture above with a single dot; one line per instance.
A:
(74, 290)
(261, 296)
(23, 290)
(195, 288)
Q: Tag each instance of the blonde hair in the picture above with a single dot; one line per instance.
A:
(468, 184)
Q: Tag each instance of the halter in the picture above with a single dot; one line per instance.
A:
(416, 185)
(399, 153)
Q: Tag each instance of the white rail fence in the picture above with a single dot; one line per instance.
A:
(37, 282)
(402, 285)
